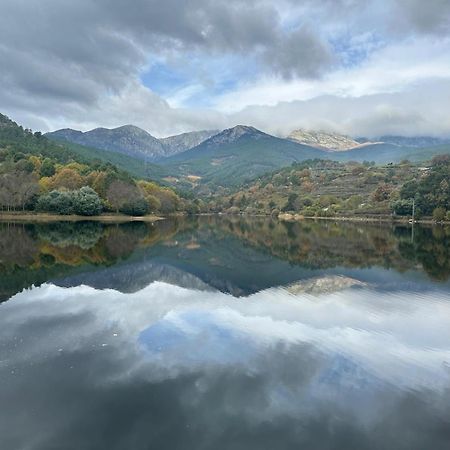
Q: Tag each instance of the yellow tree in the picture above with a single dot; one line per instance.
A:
(67, 179)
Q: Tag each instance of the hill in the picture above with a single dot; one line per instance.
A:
(133, 165)
(236, 155)
(37, 174)
(330, 188)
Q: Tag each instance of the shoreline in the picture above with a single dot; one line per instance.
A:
(107, 218)
(118, 218)
(381, 219)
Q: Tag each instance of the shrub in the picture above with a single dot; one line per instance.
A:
(84, 202)
(439, 214)
(59, 202)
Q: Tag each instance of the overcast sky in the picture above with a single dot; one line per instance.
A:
(360, 67)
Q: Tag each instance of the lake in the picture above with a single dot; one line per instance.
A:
(224, 333)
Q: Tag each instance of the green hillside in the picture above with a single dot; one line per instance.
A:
(230, 162)
(40, 175)
(330, 188)
(134, 166)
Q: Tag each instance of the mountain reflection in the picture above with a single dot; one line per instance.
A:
(231, 254)
(219, 332)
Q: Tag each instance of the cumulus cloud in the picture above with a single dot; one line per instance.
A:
(419, 110)
(79, 64)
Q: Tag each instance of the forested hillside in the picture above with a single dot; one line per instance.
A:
(329, 188)
(37, 174)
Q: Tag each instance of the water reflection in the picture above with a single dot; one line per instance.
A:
(237, 256)
(224, 333)
(168, 367)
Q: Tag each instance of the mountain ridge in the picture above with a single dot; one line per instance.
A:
(181, 142)
(132, 141)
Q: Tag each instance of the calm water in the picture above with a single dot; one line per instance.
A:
(224, 334)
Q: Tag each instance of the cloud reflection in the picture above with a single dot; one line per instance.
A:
(210, 365)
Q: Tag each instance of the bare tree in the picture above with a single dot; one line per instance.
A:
(16, 189)
(120, 192)
(26, 187)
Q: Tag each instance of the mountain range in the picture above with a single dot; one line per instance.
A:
(132, 141)
(237, 154)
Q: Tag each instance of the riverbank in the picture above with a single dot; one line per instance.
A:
(382, 219)
(43, 217)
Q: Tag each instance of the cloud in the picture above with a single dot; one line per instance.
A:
(300, 54)
(81, 64)
(431, 17)
(416, 111)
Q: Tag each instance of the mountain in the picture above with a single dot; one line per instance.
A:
(338, 142)
(383, 153)
(132, 141)
(128, 140)
(413, 142)
(237, 154)
(234, 155)
(182, 142)
(323, 140)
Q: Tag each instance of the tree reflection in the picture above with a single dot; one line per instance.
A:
(33, 254)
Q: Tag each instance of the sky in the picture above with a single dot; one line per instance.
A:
(357, 67)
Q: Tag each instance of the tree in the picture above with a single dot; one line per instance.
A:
(169, 201)
(26, 187)
(98, 181)
(382, 193)
(135, 207)
(439, 214)
(291, 202)
(153, 203)
(86, 202)
(17, 188)
(402, 207)
(47, 168)
(121, 192)
(409, 190)
(67, 178)
(25, 165)
(60, 202)
(7, 182)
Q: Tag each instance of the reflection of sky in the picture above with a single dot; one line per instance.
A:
(287, 359)
(195, 338)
